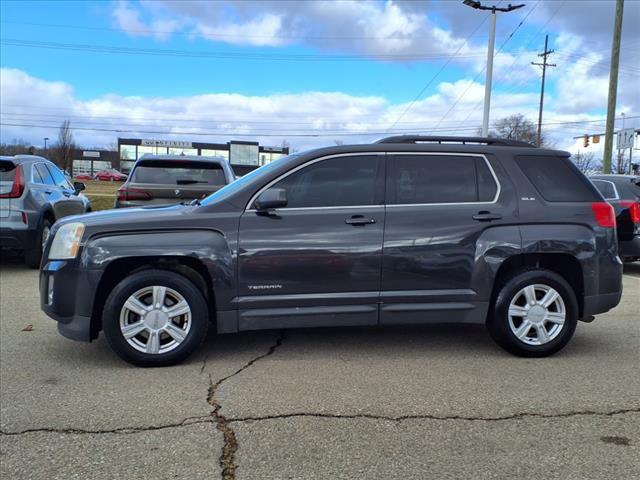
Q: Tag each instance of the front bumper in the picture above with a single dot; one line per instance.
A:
(67, 293)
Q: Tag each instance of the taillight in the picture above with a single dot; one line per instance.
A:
(18, 185)
(604, 213)
(132, 194)
(634, 210)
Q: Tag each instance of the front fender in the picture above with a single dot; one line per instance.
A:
(209, 247)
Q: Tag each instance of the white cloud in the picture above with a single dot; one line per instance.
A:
(269, 119)
(128, 19)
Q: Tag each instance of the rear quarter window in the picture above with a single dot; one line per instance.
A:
(556, 179)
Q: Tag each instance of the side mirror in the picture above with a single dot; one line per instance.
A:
(270, 199)
(78, 187)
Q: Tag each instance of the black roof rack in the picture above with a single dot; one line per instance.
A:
(503, 142)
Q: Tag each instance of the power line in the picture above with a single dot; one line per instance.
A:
(510, 68)
(112, 49)
(484, 69)
(437, 74)
(149, 31)
(268, 133)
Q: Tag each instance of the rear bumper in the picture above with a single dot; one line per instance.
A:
(630, 248)
(596, 304)
(16, 236)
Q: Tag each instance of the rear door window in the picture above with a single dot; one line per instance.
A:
(433, 179)
(45, 176)
(178, 173)
(557, 179)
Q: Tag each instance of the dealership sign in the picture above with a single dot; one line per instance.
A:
(166, 143)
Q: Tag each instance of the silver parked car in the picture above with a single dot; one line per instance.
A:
(167, 179)
(34, 193)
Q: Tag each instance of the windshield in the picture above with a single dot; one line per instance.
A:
(181, 172)
(233, 187)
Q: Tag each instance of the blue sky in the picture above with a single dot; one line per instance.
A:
(365, 89)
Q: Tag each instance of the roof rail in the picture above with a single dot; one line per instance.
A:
(503, 142)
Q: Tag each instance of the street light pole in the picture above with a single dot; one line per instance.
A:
(492, 40)
(45, 145)
(489, 77)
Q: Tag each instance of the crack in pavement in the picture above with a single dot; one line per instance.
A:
(230, 446)
(209, 419)
(401, 418)
(121, 430)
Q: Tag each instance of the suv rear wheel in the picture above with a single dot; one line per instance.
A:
(535, 313)
(155, 318)
(33, 257)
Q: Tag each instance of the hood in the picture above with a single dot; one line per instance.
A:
(130, 218)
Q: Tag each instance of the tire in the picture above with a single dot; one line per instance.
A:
(512, 308)
(159, 349)
(33, 257)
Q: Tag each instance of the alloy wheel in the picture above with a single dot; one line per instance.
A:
(537, 314)
(155, 319)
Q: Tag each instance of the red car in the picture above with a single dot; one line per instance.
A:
(83, 176)
(110, 176)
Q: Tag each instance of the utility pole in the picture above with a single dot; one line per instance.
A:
(544, 66)
(492, 40)
(613, 87)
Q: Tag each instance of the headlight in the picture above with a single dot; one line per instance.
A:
(66, 243)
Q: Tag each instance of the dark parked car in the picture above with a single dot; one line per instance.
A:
(409, 230)
(623, 192)
(34, 193)
(167, 179)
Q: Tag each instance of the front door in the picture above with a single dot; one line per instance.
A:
(442, 209)
(317, 261)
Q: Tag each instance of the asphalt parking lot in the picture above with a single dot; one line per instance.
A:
(423, 402)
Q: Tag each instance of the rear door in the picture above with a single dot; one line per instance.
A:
(438, 207)
(317, 261)
(176, 181)
(44, 189)
(68, 202)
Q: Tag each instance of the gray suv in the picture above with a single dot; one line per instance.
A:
(167, 179)
(34, 193)
(409, 230)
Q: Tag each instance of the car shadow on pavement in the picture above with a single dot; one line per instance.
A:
(632, 269)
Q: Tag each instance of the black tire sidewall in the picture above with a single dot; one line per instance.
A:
(136, 281)
(498, 323)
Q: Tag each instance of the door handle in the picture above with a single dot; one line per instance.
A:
(359, 220)
(48, 192)
(485, 216)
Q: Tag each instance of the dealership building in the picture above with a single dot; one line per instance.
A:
(243, 156)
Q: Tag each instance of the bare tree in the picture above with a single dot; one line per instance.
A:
(64, 146)
(16, 147)
(586, 162)
(517, 127)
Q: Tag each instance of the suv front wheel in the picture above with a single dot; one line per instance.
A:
(155, 318)
(535, 313)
